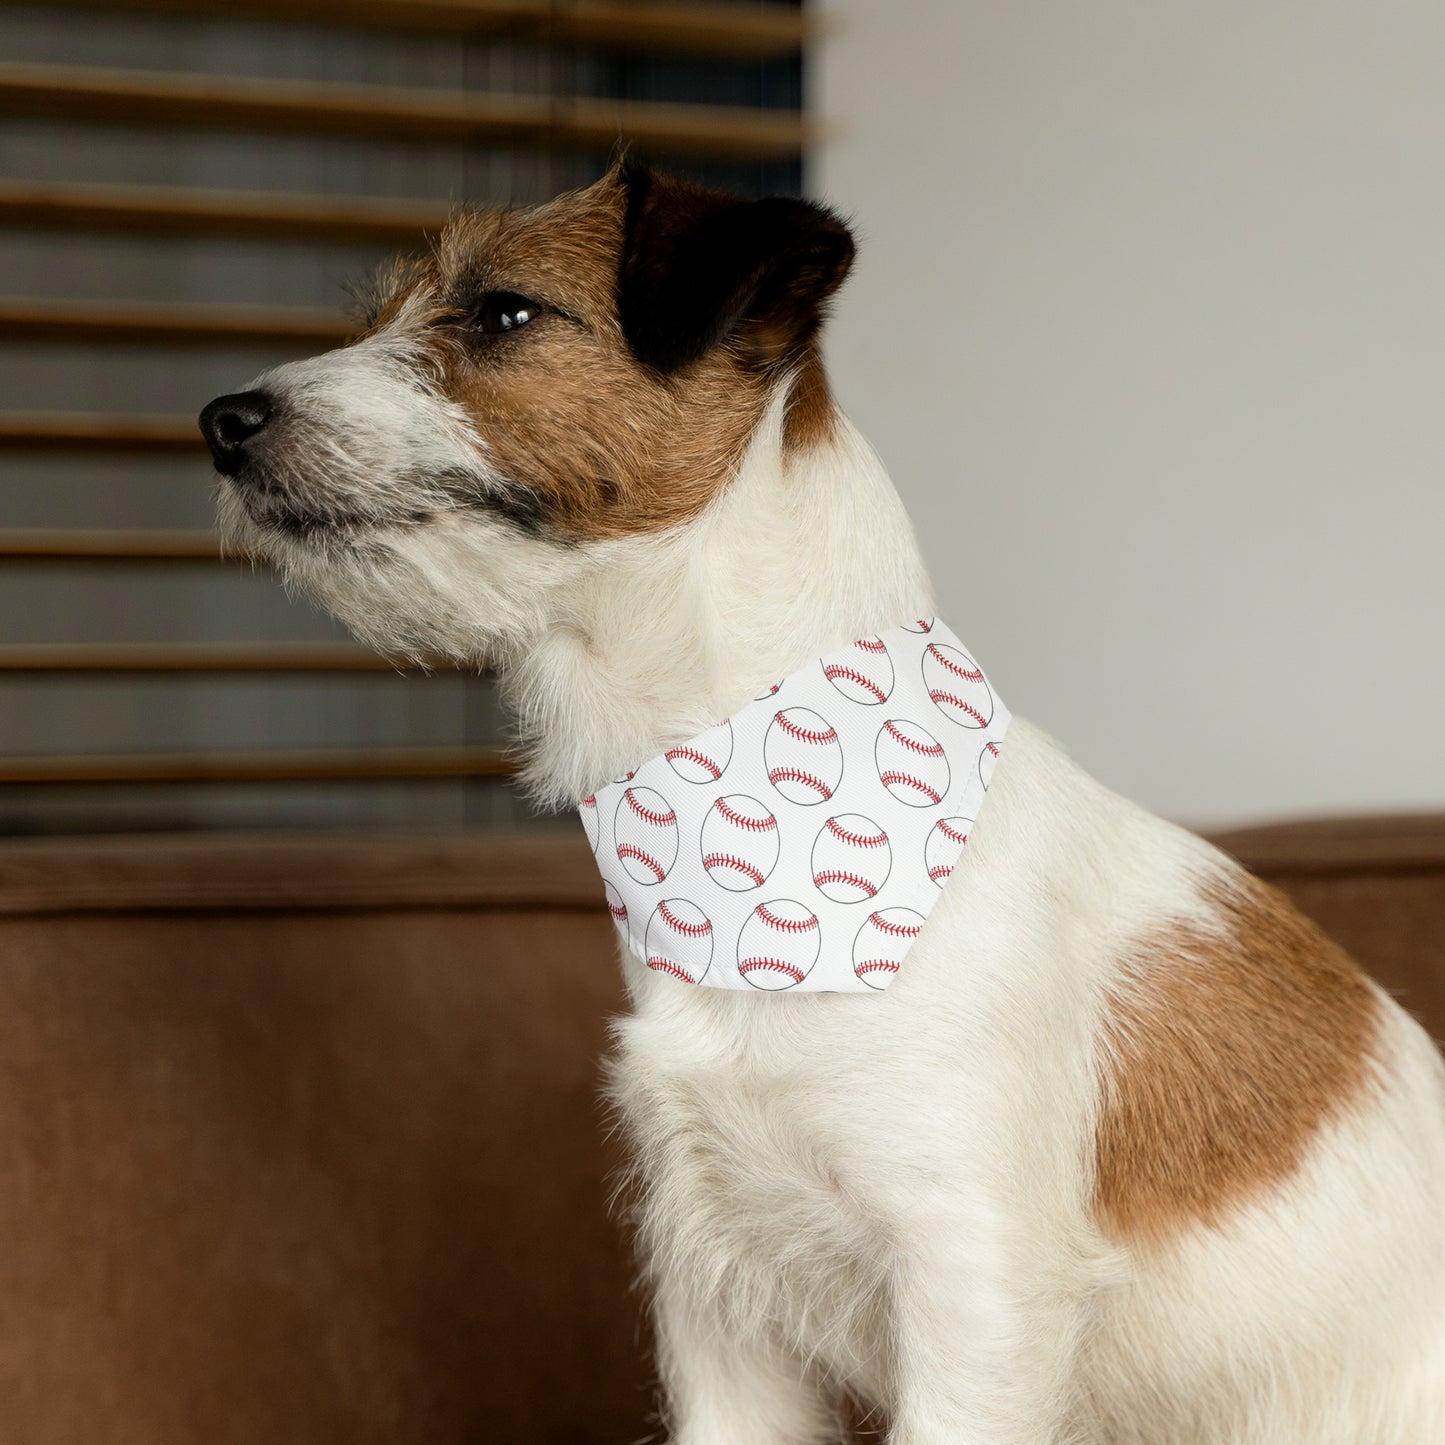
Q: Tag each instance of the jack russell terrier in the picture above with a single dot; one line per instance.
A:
(1069, 1133)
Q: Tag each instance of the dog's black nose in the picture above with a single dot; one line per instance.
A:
(229, 422)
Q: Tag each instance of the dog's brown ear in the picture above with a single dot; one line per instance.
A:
(699, 266)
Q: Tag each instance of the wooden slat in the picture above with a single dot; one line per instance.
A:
(75, 544)
(178, 211)
(79, 431)
(711, 29)
(218, 102)
(259, 767)
(171, 323)
(195, 657)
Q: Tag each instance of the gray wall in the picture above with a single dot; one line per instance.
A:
(1149, 324)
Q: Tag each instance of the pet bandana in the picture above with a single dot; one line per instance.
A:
(801, 843)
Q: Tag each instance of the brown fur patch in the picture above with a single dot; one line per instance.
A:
(812, 413)
(598, 443)
(1226, 1053)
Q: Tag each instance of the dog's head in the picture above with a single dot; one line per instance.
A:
(574, 375)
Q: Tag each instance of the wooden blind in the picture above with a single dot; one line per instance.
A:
(191, 182)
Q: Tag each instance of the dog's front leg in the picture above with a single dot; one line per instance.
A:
(985, 1347)
(723, 1387)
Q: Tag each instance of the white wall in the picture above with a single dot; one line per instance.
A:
(1149, 323)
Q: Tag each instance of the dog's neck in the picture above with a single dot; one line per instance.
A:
(655, 639)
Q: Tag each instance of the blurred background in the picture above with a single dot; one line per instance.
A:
(1149, 324)
(301, 1008)
(187, 191)
(1146, 323)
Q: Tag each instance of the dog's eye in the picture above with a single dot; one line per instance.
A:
(504, 311)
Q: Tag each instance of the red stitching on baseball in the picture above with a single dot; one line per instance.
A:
(837, 875)
(971, 676)
(890, 778)
(873, 965)
(991, 748)
(870, 644)
(939, 871)
(661, 819)
(738, 865)
(785, 924)
(951, 833)
(934, 750)
(859, 840)
(797, 775)
(688, 930)
(755, 825)
(631, 850)
(938, 695)
(666, 965)
(693, 756)
(618, 911)
(836, 670)
(896, 930)
(776, 965)
(804, 735)
(590, 801)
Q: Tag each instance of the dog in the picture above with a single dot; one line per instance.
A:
(1129, 1153)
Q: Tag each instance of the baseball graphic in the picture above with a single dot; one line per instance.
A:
(851, 858)
(943, 845)
(923, 624)
(911, 763)
(704, 758)
(764, 696)
(803, 756)
(778, 944)
(739, 843)
(987, 762)
(591, 824)
(864, 673)
(646, 832)
(956, 684)
(679, 940)
(615, 906)
(881, 943)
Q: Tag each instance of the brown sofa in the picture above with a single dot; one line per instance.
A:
(301, 1137)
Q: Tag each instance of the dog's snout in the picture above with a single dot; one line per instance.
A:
(229, 422)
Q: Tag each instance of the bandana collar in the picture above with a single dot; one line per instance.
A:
(801, 844)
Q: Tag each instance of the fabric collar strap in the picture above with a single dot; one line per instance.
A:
(801, 844)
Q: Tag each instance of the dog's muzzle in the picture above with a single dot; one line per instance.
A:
(230, 422)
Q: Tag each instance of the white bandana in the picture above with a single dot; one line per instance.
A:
(801, 844)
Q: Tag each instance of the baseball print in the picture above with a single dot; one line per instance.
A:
(646, 835)
(739, 843)
(851, 858)
(703, 759)
(882, 943)
(799, 845)
(678, 940)
(864, 673)
(987, 762)
(615, 906)
(956, 685)
(778, 945)
(912, 763)
(803, 756)
(945, 842)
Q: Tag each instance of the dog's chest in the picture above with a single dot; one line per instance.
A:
(747, 1153)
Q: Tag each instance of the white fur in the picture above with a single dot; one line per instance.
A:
(891, 1195)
